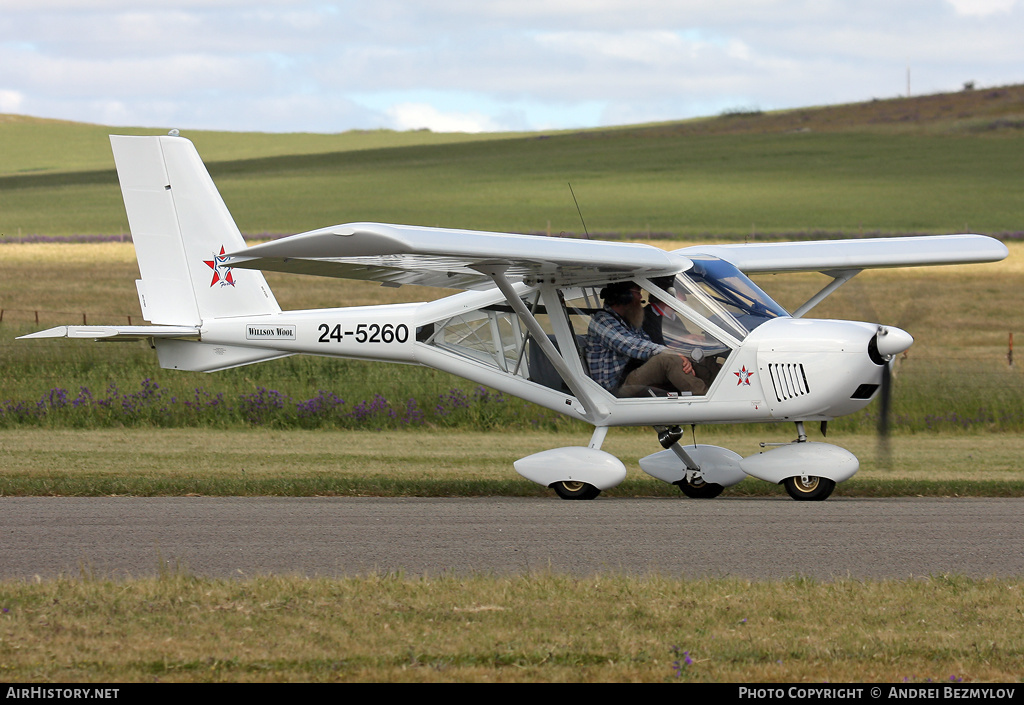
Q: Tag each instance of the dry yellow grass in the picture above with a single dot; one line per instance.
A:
(64, 279)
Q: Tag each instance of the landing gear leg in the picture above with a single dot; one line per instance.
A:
(808, 488)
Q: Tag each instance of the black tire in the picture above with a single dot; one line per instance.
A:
(698, 489)
(815, 489)
(572, 489)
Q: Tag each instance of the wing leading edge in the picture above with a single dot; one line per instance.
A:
(402, 254)
(844, 259)
(866, 253)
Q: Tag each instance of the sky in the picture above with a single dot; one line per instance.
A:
(485, 65)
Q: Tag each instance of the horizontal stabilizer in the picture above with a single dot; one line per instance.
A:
(117, 333)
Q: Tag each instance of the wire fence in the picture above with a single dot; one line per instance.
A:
(40, 316)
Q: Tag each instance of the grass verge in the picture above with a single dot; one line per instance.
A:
(446, 463)
(510, 629)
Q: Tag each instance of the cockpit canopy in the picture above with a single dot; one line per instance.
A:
(742, 305)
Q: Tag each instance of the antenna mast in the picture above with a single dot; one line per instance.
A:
(579, 211)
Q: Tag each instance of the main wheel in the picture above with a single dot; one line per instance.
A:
(571, 489)
(698, 489)
(814, 489)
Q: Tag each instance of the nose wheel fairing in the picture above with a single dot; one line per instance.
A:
(715, 464)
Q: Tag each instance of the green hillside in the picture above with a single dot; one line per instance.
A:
(930, 164)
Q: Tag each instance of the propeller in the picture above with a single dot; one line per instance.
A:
(888, 342)
(884, 409)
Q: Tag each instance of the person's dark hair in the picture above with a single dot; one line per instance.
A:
(618, 294)
(664, 282)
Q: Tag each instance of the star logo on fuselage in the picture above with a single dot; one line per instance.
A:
(743, 376)
(221, 272)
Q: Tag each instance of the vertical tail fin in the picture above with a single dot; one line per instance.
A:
(180, 227)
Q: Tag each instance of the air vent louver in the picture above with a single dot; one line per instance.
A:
(789, 380)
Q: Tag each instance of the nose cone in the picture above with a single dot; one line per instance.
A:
(891, 341)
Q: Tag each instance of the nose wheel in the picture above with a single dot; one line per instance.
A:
(809, 488)
(573, 489)
(698, 489)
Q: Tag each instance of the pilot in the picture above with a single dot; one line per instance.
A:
(622, 357)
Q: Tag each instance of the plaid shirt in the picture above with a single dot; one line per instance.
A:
(611, 344)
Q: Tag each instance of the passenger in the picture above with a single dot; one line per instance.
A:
(623, 359)
(655, 313)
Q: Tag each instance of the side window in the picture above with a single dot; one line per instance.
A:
(489, 335)
(493, 335)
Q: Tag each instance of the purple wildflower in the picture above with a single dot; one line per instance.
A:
(682, 661)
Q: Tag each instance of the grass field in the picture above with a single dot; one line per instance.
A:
(536, 628)
(751, 184)
(452, 463)
(932, 164)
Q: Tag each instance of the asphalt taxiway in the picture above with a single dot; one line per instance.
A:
(752, 538)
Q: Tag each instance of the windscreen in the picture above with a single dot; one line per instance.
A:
(729, 288)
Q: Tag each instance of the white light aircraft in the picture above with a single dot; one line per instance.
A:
(520, 324)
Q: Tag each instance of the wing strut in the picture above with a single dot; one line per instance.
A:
(839, 277)
(497, 274)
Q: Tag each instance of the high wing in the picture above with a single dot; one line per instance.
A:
(844, 259)
(859, 254)
(453, 259)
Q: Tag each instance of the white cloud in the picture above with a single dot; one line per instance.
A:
(655, 47)
(92, 6)
(466, 65)
(419, 116)
(11, 101)
(982, 8)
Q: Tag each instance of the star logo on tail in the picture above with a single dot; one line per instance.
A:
(221, 272)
